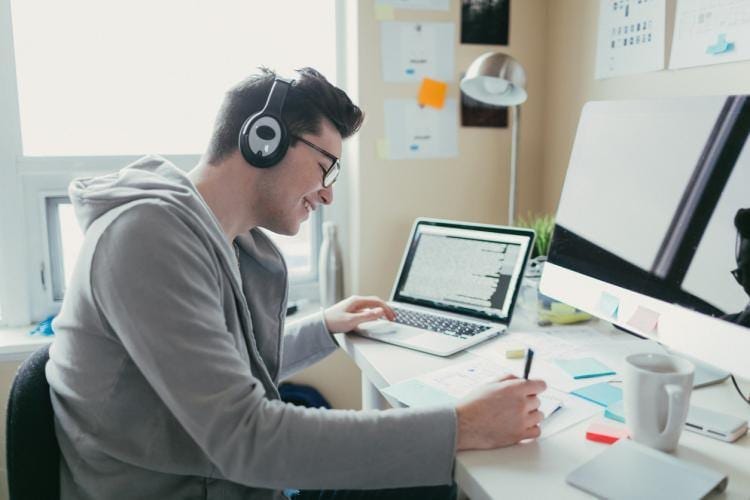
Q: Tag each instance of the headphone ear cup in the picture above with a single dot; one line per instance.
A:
(263, 140)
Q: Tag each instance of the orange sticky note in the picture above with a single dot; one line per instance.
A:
(432, 93)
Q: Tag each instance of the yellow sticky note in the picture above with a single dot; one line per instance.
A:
(383, 149)
(432, 93)
(383, 12)
(515, 353)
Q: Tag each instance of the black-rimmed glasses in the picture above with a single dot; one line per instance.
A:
(330, 175)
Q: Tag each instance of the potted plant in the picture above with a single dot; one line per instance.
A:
(548, 309)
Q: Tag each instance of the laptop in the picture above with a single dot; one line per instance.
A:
(456, 287)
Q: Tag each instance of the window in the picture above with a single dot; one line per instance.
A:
(93, 85)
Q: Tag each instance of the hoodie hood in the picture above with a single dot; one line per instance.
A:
(150, 177)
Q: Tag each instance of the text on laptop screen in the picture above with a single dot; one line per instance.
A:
(463, 270)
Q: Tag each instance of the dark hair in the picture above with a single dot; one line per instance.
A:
(310, 99)
(742, 222)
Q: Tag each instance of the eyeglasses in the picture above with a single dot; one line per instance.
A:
(330, 175)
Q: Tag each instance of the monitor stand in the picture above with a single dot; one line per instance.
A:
(705, 374)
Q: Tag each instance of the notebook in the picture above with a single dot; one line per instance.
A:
(456, 287)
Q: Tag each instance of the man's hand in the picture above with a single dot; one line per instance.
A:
(349, 313)
(500, 414)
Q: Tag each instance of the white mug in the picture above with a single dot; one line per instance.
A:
(657, 398)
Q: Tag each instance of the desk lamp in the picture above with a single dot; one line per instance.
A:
(497, 79)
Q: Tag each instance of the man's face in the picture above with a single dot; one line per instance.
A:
(293, 189)
(743, 263)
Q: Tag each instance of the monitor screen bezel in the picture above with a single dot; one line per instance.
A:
(597, 291)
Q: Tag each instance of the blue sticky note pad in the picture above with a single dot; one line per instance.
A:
(415, 393)
(602, 394)
(584, 368)
(615, 411)
(609, 305)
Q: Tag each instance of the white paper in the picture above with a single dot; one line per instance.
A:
(412, 51)
(710, 32)
(572, 411)
(448, 385)
(547, 348)
(414, 133)
(631, 37)
(417, 4)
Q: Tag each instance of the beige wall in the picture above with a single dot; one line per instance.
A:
(570, 58)
(555, 40)
(392, 193)
(386, 196)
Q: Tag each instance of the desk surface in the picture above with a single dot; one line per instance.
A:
(538, 469)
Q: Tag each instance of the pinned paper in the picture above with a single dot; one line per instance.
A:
(384, 12)
(721, 46)
(584, 368)
(644, 320)
(602, 394)
(432, 93)
(609, 305)
(383, 149)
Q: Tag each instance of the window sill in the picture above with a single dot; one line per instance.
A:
(16, 343)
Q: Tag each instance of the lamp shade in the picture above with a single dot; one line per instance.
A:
(495, 78)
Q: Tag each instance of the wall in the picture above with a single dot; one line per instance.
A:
(570, 58)
(387, 195)
(473, 186)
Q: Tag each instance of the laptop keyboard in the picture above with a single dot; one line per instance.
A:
(439, 324)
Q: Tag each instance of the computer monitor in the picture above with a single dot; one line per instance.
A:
(646, 231)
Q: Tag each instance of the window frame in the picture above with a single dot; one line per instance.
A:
(26, 182)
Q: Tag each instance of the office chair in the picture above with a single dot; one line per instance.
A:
(32, 452)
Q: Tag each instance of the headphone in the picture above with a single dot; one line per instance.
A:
(264, 139)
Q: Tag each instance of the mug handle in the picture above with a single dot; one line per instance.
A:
(675, 394)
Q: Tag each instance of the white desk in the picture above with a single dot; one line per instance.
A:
(538, 469)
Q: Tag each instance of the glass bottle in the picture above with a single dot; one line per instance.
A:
(330, 267)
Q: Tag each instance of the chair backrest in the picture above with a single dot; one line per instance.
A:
(32, 451)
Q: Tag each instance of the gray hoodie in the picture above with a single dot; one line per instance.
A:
(169, 348)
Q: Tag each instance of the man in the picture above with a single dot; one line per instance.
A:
(742, 255)
(171, 342)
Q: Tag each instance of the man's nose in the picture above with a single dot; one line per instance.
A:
(326, 195)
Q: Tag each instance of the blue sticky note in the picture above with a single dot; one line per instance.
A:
(609, 305)
(584, 368)
(602, 394)
(615, 411)
(415, 393)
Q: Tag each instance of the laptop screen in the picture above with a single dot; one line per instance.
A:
(464, 268)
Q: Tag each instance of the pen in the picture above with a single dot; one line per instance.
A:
(527, 368)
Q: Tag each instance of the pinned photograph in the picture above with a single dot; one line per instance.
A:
(485, 21)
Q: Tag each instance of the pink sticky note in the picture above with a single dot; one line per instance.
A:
(644, 320)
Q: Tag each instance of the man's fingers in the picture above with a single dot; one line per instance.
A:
(532, 432)
(369, 314)
(533, 387)
(532, 403)
(373, 302)
(536, 417)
